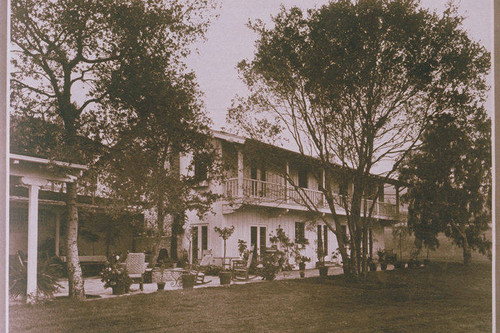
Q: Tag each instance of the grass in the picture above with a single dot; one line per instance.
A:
(439, 298)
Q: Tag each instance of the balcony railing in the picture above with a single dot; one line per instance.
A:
(258, 190)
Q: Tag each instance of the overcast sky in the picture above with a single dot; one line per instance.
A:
(229, 41)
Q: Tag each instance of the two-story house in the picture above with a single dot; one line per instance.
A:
(259, 194)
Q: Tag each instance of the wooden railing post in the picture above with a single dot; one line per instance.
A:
(240, 173)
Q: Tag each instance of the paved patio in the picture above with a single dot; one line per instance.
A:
(94, 286)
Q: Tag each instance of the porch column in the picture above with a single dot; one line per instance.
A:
(58, 232)
(287, 175)
(240, 173)
(34, 186)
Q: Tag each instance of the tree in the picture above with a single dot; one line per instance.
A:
(168, 121)
(449, 183)
(65, 54)
(353, 84)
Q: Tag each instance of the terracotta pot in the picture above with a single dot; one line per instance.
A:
(187, 281)
(225, 278)
(119, 289)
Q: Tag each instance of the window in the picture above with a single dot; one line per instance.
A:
(343, 187)
(325, 239)
(300, 228)
(204, 237)
(322, 240)
(344, 233)
(381, 196)
(258, 240)
(194, 236)
(303, 177)
(200, 169)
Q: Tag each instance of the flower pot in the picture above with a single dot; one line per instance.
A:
(373, 267)
(225, 278)
(118, 289)
(161, 285)
(323, 271)
(187, 281)
(302, 268)
(383, 266)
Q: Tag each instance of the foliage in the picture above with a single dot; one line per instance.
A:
(114, 273)
(212, 270)
(242, 247)
(449, 181)
(48, 272)
(224, 233)
(285, 248)
(271, 264)
(59, 47)
(354, 83)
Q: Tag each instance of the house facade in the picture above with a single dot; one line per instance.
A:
(260, 193)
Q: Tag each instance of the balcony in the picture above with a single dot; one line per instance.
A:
(262, 193)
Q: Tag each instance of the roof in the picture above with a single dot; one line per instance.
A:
(243, 140)
(38, 160)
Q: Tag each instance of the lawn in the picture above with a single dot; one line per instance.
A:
(439, 298)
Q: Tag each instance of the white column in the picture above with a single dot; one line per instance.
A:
(240, 173)
(58, 232)
(34, 185)
(31, 289)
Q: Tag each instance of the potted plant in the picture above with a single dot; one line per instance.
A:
(301, 261)
(382, 259)
(224, 233)
(372, 264)
(323, 270)
(115, 276)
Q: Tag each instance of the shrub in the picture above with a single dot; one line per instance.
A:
(270, 265)
(114, 275)
(48, 271)
(213, 270)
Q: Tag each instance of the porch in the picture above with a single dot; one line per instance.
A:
(94, 287)
(265, 193)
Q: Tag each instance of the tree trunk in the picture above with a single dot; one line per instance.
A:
(467, 252)
(75, 279)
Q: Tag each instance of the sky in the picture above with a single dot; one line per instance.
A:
(229, 40)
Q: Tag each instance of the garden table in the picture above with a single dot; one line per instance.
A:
(173, 276)
(228, 264)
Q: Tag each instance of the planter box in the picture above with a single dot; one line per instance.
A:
(323, 271)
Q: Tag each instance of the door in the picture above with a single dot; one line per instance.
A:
(199, 244)
(258, 238)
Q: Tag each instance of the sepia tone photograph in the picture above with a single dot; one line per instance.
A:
(249, 166)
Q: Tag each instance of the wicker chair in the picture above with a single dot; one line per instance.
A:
(136, 266)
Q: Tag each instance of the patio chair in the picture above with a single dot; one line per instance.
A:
(200, 269)
(241, 267)
(136, 266)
